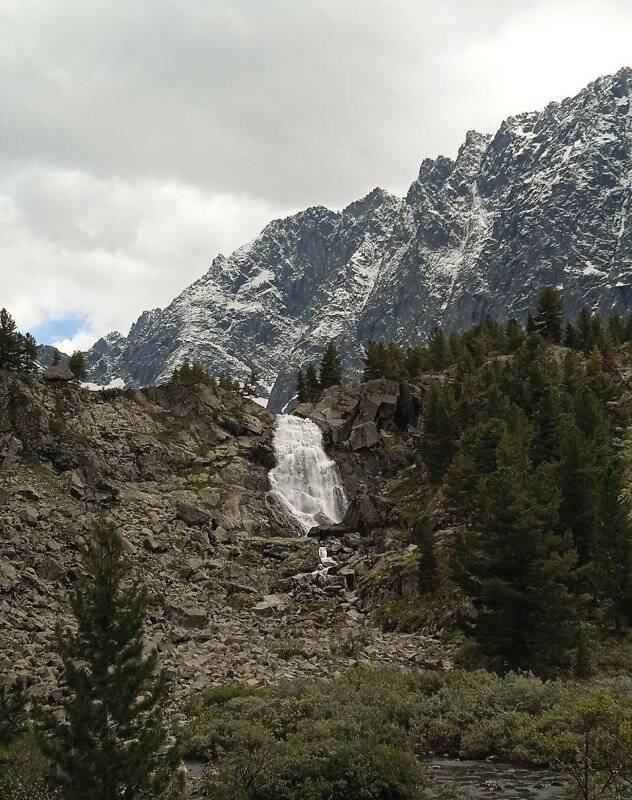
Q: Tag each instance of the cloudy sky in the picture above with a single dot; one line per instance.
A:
(139, 138)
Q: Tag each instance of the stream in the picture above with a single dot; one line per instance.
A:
(485, 779)
(475, 780)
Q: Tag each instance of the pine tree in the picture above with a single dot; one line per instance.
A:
(579, 506)
(516, 569)
(627, 329)
(373, 361)
(439, 350)
(572, 337)
(584, 329)
(28, 354)
(330, 367)
(530, 325)
(251, 386)
(515, 335)
(312, 384)
(9, 342)
(550, 315)
(110, 740)
(616, 328)
(613, 550)
(301, 389)
(77, 365)
(439, 430)
(191, 372)
(423, 536)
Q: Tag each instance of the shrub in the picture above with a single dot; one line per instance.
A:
(327, 769)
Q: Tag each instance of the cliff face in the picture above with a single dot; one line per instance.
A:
(546, 200)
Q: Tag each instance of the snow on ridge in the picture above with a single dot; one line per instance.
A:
(546, 195)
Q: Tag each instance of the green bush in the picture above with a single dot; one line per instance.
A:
(326, 769)
(363, 734)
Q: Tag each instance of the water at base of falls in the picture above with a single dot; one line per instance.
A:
(305, 479)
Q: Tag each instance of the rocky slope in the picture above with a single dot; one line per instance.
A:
(238, 593)
(546, 200)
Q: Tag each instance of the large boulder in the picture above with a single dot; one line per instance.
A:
(60, 373)
(334, 413)
(363, 513)
(378, 401)
(364, 436)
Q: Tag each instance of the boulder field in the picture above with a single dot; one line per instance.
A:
(238, 592)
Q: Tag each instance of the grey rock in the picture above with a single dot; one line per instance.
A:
(192, 515)
(60, 373)
(27, 493)
(29, 515)
(271, 602)
(477, 235)
(364, 436)
(187, 616)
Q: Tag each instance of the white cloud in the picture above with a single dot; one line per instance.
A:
(139, 139)
(75, 245)
(82, 340)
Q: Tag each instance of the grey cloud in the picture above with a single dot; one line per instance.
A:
(139, 138)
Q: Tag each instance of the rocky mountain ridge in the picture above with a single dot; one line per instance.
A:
(546, 200)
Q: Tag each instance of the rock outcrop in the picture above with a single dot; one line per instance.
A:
(352, 416)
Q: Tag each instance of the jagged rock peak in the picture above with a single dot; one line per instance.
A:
(546, 200)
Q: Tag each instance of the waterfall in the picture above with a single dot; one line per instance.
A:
(305, 479)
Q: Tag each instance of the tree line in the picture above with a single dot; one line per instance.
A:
(525, 445)
(18, 351)
(589, 335)
(314, 378)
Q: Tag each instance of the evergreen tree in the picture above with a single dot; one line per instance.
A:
(301, 388)
(312, 384)
(550, 314)
(423, 536)
(439, 430)
(616, 330)
(373, 361)
(613, 550)
(572, 337)
(579, 506)
(439, 350)
(191, 372)
(515, 335)
(251, 386)
(9, 342)
(530, 325)
(77, 365)
(584, 328)
(28, 354)
(330, 367)
(516, 569)
(627, 329)
(110, 740)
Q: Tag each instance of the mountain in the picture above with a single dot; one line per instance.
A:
(546, 200)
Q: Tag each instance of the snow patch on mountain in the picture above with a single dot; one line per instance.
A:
(546, 200)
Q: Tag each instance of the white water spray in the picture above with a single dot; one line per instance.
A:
(305, 479)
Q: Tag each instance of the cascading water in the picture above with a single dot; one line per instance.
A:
(305, 479)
